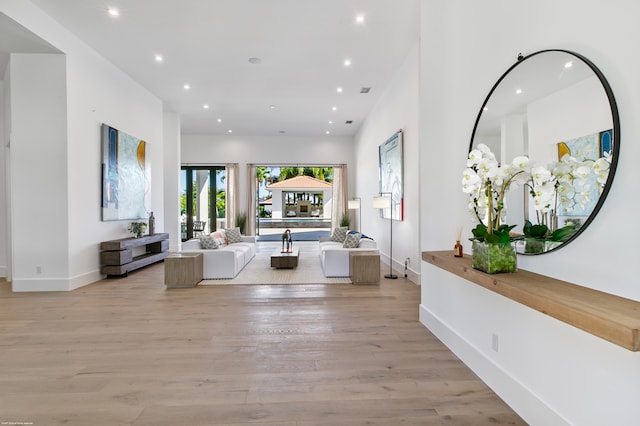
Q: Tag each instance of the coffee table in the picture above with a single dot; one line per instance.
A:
(285, 260)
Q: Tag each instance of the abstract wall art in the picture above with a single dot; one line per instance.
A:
(391, 171)
(125, 176)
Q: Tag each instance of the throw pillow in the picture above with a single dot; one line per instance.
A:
(207, 242)
(219, 238)
(233, 235)
(351, 240)
(339, 234)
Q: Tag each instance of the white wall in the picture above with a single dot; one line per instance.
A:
(39, 170)
(4, 138)
(171, 142)
(266, 150)
(96, 92)
(550, 372)
(579, 110)
(396, 109)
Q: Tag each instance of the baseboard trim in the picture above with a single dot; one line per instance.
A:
(524, 402)
(55, 284)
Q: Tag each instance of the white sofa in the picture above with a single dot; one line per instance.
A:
(224, 262)
(335, 258)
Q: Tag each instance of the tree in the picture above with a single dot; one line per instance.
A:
(221, 196)
(263, 174)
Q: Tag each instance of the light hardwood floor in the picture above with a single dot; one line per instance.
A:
(130, 352)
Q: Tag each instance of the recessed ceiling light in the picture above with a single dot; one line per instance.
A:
(330, 121)
(339, 89)
(187, 87)
(205, 106)
(229, 131)
(327, 132)
(334, 108)
(485, 108)
(219, 120)
(255, 60)
(347, 62)
(568, 64)
(113, 12)
(518, 91)
(360, 19)
(272, 107)
(159, 58)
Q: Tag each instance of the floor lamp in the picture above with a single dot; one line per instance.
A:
(353, 204)
(383, 201)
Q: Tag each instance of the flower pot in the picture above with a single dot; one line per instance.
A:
(534, 245)
(493, 258)
(550, 245)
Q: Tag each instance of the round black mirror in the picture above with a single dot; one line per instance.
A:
(557, 108)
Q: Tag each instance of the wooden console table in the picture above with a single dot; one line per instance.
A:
(610, 317)
(117, 257)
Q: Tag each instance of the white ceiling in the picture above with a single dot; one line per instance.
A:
(302, 45)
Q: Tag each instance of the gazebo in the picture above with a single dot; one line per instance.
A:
(301, 196)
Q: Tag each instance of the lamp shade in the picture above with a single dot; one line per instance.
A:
(354, 204)
(382, 202)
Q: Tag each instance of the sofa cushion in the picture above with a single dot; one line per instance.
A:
(208, 242)
(351, 240)
(233, 235)
(339, 234)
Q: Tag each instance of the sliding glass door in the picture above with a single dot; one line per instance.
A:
(202, 200)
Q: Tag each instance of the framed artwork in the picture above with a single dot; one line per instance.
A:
(125, 176)
(390, 167)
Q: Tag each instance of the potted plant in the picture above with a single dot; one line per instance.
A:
(487, 181)
(345, 220)
(241, 221)
(137, 228)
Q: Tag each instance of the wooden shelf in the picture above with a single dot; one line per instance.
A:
(117, 255)
(610, 317)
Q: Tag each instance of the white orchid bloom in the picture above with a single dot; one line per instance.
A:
(582, 172)
(521, 162)
(540, 174)
(470, 181)
(474, 158)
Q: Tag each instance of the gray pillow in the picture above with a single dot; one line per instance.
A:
(339, 234)
(207, 242)
(233, 235)
(352, 240)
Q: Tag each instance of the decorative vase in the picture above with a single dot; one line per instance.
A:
(493, 258)
(534, 245)
(550, 245)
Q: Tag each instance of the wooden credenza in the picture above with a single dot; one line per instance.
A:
(116, 256)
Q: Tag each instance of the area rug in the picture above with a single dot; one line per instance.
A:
(259, 270)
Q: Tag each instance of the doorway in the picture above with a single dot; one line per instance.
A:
(202, 200)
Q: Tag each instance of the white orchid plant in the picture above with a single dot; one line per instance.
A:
(561, 184)
(559, 187)
(487, 182)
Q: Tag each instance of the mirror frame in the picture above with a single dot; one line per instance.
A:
(615, 140)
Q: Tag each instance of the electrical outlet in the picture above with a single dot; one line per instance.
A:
(495, 342)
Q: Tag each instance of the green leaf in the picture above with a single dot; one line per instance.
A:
(479, 231)
(563, 234)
